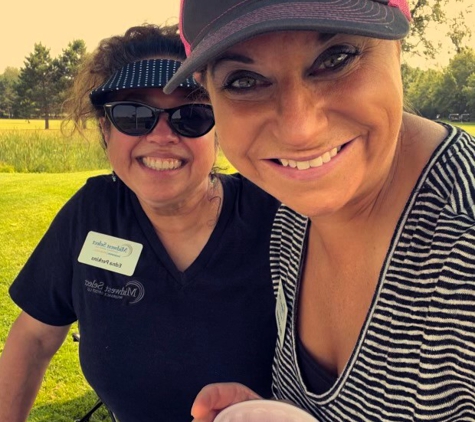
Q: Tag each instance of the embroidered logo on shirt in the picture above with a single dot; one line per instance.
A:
(133, 291)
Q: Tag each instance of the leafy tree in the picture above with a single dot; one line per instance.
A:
(409, 77)
(37, 87)
(441, 92)
(445, 94)
(462, 65)
(421, 91)
(67, 66)
(459, 31)
(427, 12)
(458, 74)
(469, 91)
(8, 95)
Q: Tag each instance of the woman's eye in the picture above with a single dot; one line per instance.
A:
(335, 58)
(242, 83)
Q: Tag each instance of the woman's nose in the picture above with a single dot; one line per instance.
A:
(301, 114)
(162, 133)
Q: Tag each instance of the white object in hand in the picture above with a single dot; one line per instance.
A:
(263, 411)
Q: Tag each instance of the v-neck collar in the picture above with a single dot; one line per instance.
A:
(388, 265)
(183, 278)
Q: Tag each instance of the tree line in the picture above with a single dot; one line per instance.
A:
(39, 88)
(438, 93)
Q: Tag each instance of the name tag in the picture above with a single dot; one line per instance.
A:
(281, 314)
(110, 253)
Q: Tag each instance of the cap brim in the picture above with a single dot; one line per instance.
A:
(357, 17)
(147, 73)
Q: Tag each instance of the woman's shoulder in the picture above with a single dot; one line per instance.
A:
(247, 197)
(97, 193)
(449, 176)
(103, 184)
(247, 188)
(102, 181)
(434, 134)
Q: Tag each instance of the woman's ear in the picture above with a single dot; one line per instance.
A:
(200, 78)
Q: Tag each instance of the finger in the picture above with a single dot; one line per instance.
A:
(208, 418)
(215, 397)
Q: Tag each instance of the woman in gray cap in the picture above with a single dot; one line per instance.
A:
(164, 263)
(373, 253)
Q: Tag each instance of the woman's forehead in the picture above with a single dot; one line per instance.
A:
(279, 39)
(260, 47)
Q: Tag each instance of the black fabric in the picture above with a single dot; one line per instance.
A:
(148, 73)
(208, 28)
(415, 356)
(317, 379)
(213, 322)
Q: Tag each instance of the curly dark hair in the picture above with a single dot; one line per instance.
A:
(138, 43)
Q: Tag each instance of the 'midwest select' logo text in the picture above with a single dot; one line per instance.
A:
(133, 291)
(110, 253)
(120, 251)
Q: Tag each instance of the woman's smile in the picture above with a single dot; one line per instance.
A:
(312, 168)
(305, 164)
(320, 116)
(161, 164)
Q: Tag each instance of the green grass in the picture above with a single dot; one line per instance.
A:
(23, 124)
(469, 127)
(47, 151)
(28, 203)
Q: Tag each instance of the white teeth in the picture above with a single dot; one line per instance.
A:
(316, 162)
(303, 165)
(161, 164)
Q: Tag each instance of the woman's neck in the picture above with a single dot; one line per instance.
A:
(203, 205)
(378, 211)
(185, 228)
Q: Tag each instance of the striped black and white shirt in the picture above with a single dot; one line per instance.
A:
(415, 357)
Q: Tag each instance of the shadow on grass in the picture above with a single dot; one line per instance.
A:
(69, 411)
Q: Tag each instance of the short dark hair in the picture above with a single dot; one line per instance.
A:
(138, 43)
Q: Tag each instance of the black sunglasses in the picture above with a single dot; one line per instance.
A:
(137, 119)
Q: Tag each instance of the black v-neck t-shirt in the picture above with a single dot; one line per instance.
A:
(152, 340)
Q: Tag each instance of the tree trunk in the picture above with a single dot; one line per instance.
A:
(46, 108)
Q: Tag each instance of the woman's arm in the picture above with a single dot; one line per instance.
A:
(28, 350)
(215, 397)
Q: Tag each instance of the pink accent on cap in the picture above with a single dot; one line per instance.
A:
(402, 6)
(212, 26)
(182, 35)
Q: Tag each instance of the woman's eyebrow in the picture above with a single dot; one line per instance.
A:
(240, 58)
(324, 37)
(229, 57)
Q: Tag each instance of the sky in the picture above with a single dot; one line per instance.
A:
(55, 23)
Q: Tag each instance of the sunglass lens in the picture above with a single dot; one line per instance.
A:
(132, 119)
(192, 120)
